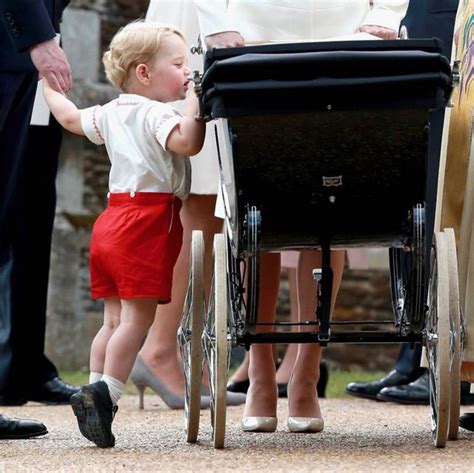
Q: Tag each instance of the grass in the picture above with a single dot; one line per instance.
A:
(338, 380)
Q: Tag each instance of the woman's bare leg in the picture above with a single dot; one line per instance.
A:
(160, 350)
(302, 395)
(287, 364)
(262, 393)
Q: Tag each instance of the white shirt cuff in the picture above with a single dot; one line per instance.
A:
(165, 127)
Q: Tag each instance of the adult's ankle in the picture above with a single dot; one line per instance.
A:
(155, 358)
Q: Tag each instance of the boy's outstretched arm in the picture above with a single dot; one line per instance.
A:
(187, 137)
(65, 112)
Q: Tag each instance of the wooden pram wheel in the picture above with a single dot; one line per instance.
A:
(215, 342)
(455, 334)
(437, 337)
(189, 337)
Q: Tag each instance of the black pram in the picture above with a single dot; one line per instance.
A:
(323, 145)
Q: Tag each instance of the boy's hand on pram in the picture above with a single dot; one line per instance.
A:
(380, 31)
(226, 39)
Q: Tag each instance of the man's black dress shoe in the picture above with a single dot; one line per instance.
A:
(370, 390)
(416, 392)
(95, 412)
(11, 399)
(11, 428)
(467, 399)
(54, 391)
(466, 421)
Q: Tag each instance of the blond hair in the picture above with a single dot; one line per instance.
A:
(135, 43)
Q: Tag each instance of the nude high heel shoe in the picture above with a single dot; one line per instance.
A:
(304, 424)
(259, 423)
(143, 378)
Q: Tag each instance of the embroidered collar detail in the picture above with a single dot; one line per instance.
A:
(131, 99)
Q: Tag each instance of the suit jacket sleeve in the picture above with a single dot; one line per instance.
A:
(212, 16)
(28, 22)
(387, 13)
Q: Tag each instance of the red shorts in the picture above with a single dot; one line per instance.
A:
(134, 246)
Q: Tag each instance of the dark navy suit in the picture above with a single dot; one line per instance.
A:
(28, 164)
(426, 19)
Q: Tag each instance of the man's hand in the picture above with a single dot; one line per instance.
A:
(380, 31)
(226, 39)
(52, 64)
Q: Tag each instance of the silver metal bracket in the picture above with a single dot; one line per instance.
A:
(253, 223)
(456, 73)
(197, 79)
(197, 49)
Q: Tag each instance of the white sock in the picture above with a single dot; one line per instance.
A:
(94, 377)
(115, 386)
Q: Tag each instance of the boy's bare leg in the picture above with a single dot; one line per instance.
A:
(112, 309)
(136, 318)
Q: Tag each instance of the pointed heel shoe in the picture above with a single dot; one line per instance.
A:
(259, 424)
(304, 425)
(143, 378)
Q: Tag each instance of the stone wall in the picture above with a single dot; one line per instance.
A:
(73, 318)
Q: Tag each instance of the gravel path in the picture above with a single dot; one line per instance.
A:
(359, 436)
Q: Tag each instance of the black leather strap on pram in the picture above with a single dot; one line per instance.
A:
(349, 75)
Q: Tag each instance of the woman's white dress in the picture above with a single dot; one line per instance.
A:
(183, 14)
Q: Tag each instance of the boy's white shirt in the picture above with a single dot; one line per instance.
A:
(134, 130)
(41, 113)
(254, 18)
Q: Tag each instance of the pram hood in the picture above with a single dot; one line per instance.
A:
(347, 75)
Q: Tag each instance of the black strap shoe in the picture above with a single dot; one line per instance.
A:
(95, 412)
(11, 428)
(53, 392)
(370, 390)
(417, 392)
